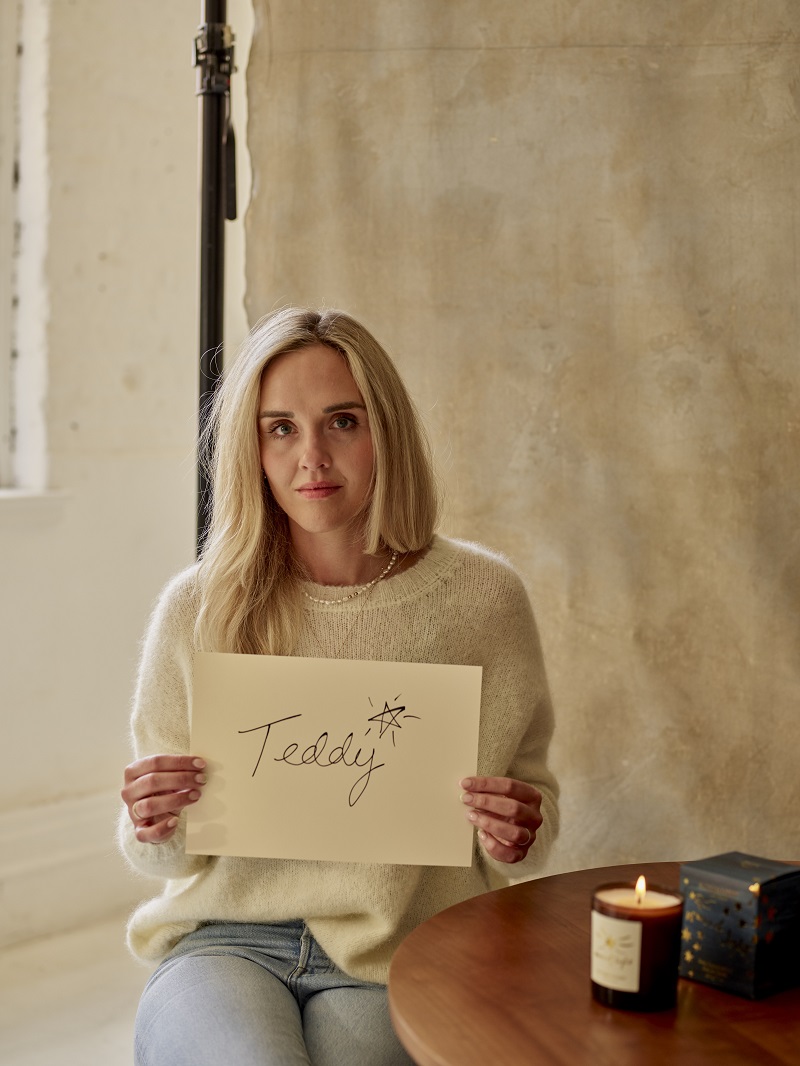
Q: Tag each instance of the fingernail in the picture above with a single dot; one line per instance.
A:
(481, 835)
(466, 782)
(172, 823)
(194, 796)
(200, 779)
(199, 763)
(473, 816)
(467, 797)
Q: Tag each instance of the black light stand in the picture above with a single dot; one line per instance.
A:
(213, 58)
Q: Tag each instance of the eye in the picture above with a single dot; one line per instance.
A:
(344, 422)
(280, 429)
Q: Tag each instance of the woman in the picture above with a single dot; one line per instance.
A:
(321, 544)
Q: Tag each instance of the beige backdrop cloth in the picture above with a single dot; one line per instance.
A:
(574, 225)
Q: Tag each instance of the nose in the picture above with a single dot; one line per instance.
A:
(315, 453)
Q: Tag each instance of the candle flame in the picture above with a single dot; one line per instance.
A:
(640, 890)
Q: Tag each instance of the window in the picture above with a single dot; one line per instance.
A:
(23, 243)
(9, 25)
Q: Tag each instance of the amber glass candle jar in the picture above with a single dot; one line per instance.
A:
(636, 936)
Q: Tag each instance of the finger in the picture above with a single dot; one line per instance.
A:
(507, 810)
(152, 764)
(512, 800)
(521, 840)
(157, 832)
(161, 784)
(158, 783)
(500, 850)
(512, 834)
(155, 807)
(502, 786)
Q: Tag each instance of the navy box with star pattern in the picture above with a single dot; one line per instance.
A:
(741, 923)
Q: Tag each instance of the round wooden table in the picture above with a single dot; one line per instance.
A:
(503, 979)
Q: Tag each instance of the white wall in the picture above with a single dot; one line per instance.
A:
(81, 565)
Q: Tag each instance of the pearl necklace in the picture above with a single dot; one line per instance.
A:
(358, 591)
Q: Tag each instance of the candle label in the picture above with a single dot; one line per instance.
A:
(616, 952)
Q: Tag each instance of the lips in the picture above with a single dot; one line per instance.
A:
(318, 490)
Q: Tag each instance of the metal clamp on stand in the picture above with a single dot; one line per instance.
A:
(213, 57)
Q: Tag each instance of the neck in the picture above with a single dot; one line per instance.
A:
(334, 559)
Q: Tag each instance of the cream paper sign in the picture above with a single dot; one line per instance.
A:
(333, 759)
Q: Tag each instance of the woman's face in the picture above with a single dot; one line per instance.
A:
(315, 441)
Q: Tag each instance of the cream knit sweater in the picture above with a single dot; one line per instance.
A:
(460, 604)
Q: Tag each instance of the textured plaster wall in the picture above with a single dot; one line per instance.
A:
(575, 226)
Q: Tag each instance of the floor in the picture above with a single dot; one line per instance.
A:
(70, 999)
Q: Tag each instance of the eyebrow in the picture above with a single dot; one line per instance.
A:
(348, 405)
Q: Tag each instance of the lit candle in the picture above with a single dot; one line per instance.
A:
(636, 934)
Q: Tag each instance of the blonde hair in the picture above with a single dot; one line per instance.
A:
(248, 577)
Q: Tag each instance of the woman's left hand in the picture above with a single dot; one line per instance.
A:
(506, 814)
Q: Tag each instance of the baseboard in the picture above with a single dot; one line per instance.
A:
(59, 867)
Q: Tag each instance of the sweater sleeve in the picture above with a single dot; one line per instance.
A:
(516, 701)
(160, 719)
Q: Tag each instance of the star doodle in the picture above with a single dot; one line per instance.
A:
(389, 719)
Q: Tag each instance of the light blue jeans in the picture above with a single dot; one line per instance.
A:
(235, 994)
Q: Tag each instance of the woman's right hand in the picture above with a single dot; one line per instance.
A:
(156, 790)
